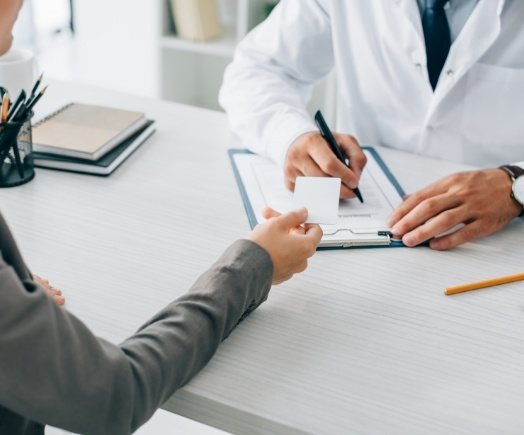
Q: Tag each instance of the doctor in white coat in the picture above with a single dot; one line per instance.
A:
(434, 77)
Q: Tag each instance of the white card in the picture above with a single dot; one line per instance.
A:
(320, 195)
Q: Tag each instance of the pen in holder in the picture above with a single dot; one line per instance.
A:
(16, 152)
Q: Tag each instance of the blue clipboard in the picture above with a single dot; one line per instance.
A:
(252, 217)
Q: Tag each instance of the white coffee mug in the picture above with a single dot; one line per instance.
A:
(18, 70)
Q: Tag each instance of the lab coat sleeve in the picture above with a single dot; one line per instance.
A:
(271, 78)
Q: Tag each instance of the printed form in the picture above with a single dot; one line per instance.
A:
(358, 224)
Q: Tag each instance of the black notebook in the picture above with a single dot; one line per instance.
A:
(103, 166)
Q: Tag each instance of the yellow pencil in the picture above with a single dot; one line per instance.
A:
(5, 107)
(482, 284)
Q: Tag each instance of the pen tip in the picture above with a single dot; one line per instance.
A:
(358, 195)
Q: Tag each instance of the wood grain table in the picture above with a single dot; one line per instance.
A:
(363, 342)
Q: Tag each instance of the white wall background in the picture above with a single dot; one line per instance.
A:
(115, 45)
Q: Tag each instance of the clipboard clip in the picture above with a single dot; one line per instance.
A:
(361, 237)
(389, 235)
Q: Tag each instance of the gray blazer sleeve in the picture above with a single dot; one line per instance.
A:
(53, 370)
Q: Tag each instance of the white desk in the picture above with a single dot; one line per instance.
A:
(363, 342)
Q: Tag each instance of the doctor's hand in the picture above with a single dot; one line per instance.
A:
(288, 241)
(478, 201)
(311, 156)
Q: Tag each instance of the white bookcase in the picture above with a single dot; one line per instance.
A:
(192, 72)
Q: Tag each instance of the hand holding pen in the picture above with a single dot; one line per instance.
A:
(310, 155)
(331, 141)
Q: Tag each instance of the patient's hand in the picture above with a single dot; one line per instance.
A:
(288, 241)
(55, 293)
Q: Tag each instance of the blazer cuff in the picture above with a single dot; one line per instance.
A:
(254, 262)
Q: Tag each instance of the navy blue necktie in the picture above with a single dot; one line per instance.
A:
(437, 37)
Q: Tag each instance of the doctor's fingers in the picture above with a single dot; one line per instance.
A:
(469, 232)
(411, 201)
(424, 211)
(310, 168)
(291, 172)
(446, 222)
(328, 163)
(353, 151)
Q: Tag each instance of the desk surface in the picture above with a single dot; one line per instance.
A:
(363, 342)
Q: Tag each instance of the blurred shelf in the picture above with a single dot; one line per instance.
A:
(223, 46)
(191, 71)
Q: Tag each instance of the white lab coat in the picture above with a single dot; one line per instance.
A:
(475, 115)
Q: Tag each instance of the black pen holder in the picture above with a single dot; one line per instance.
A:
(16, 153)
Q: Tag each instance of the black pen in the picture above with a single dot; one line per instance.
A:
(20, 113)
(32, 103)
(14, 108)
(35, 87)
(330, 139)
(18, 160)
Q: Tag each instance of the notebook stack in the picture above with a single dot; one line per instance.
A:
(88, 139)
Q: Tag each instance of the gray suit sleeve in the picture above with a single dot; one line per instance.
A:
(53, 370)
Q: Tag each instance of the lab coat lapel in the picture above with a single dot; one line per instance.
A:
(479, 33)
(410, 10)
(415, 47)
